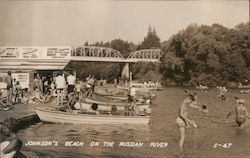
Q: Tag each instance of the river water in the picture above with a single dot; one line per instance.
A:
(214, 138)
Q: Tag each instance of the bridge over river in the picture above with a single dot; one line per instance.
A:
(57, 57)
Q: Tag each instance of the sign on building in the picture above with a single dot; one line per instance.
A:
(9, 52)
(23, 78)
(31, 52)
(59, 52)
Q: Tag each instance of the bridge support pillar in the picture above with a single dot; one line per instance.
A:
(125, 73)
(130, 76)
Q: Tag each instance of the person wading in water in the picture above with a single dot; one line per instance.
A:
(183, 121)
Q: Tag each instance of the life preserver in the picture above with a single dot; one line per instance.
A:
(10, 154)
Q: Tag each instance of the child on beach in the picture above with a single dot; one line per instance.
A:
(183, 121)
(18, 90)
(241, 113)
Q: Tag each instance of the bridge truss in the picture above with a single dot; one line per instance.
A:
(93, 53)
(145, 55)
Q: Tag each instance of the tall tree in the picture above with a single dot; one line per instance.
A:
(151, 40)
(148, 71)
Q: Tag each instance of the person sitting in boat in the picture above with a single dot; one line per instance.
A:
(132, 109)
(73, 100)
(10, 143)
(93, 109)
(127, 110)
(132, 91)
(90, 86)
(114, 110)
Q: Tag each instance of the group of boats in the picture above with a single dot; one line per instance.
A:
(103, 108)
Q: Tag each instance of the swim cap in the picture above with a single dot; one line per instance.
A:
(240, 101)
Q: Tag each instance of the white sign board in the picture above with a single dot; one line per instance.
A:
(23, 78)
(55, 52)
(31, 52)
(59, 52)
(9, 52)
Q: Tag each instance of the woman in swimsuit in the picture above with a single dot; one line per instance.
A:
(241, 113)
(183, 121)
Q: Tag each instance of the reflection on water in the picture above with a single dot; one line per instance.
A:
(162, 128)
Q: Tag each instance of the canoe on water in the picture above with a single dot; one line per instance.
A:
(75, 117)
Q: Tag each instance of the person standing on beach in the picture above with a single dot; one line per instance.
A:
(71, 83)
(90, 86)
(9, 81)
(60, 85)
(241, 113)
(183, 121)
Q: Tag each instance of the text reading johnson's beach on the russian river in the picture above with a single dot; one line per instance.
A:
(97, 144)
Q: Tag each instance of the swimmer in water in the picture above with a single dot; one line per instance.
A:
(183, 121)
(241, 113)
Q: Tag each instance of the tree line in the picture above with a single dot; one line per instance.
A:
(210, 55)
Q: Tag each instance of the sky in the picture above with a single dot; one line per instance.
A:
(71, 23)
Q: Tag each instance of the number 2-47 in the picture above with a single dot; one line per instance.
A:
(225, 145)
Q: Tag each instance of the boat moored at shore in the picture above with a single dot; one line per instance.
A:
(75, 117)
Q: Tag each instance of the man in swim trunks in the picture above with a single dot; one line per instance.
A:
(183, 121)
(241, 113)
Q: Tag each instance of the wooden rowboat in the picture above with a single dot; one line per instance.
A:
(111, 96)
(56, 116)
(140, 95)
(124, 103)
(106, 106)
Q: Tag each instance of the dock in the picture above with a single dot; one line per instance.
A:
(25, 114)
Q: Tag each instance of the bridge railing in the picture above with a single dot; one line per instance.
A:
(150, 55)
(93, 51)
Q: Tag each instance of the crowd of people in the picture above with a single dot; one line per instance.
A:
(44, 89)
(62, 86)
(11, 92)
